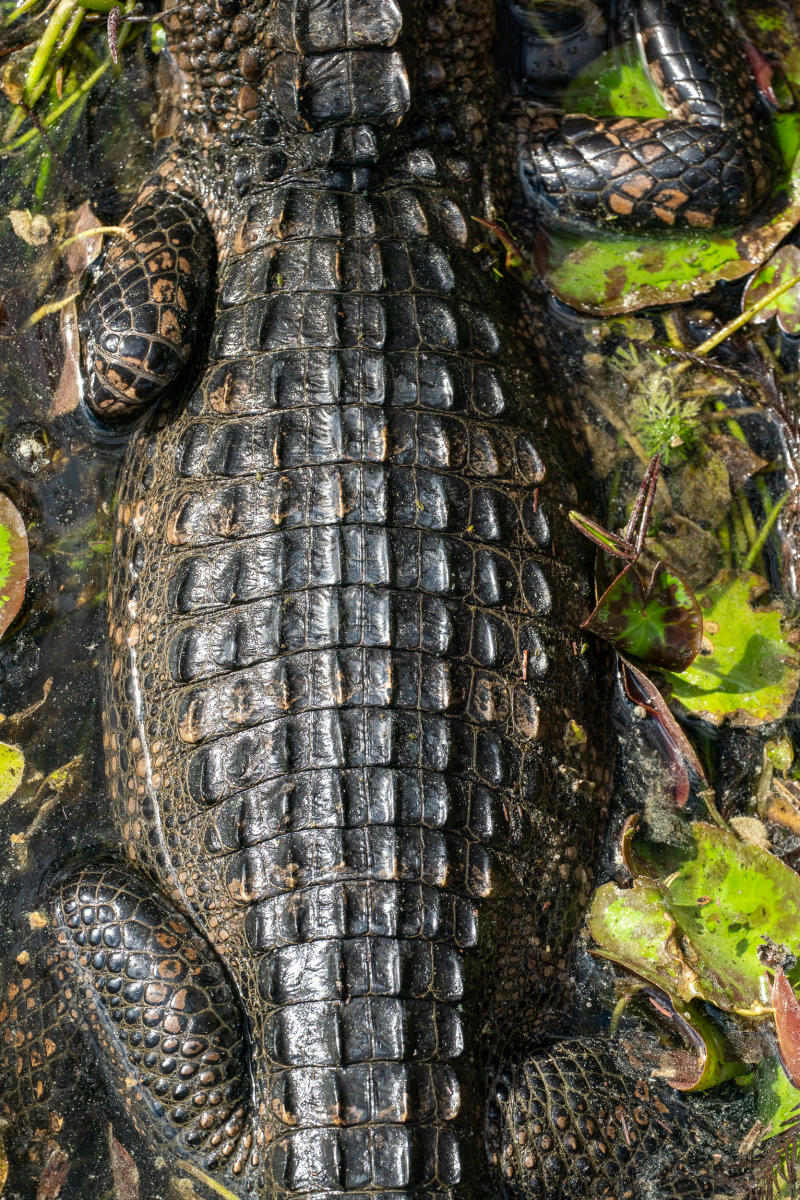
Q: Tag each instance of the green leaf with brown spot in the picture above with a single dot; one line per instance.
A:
(701, 930)
(727, 900)
(658, 622)
(749, 669)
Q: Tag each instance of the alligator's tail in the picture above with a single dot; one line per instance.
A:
(355, 1065)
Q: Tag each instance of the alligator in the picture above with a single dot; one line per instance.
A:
(355, 738)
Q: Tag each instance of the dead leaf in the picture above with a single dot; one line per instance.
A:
(783, 804)
(69, 389)
(81, 253)
(740, 461)
(54, 1175)
(34, 230)
(123, 1168)
(181, 1188)
(673, 744)
(750, 829)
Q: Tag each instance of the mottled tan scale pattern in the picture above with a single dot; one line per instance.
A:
(575, 1122)
(710, 162)
(141, 322)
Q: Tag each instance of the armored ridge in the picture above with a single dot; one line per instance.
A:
(345, 640)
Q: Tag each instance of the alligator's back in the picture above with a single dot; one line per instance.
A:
(344, 674)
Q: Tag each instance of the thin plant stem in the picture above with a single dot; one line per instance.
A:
(208, 1180)
(20, 11)
(748, 520)
(724, 540)
(65, 105)
(45, 310)
(738, 322)
(46, 46)
(766, 530)
(87, 233)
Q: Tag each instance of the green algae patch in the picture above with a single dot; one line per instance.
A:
(13, 562)
(614, 84)
(607, 274)
(12, 765)
(748, 670)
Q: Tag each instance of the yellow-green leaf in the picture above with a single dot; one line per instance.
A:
(748, 671)
(12, 764)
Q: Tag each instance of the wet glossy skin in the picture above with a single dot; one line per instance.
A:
(355, 739)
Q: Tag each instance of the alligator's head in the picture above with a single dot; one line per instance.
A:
(337, 80)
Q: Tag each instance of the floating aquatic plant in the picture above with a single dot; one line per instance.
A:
(13, 562)
(611, 272)
(749, 670)
(654, 617)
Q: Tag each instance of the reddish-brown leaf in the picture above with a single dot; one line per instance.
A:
(787, 1025)
(54, 1175)
(123, 1168)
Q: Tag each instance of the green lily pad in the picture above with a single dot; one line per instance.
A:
(633, 928)
(700, 932)
(603, 273)
(12, 765)
(727, 900)
(749, 671)
(783, 266)
(777, 1099)
(659, 622)
(13, 562)
(614, 84)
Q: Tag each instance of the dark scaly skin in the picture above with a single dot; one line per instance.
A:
(710, 162)
(346, 673)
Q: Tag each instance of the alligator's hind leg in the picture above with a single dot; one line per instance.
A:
(41, 1084)
(708, 162)
(570, 1124)
(141, 318)
(151, 998)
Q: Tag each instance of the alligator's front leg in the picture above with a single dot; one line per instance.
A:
(142, 317)
(710, 161)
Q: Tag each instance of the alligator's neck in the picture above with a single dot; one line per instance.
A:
(301, 88)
